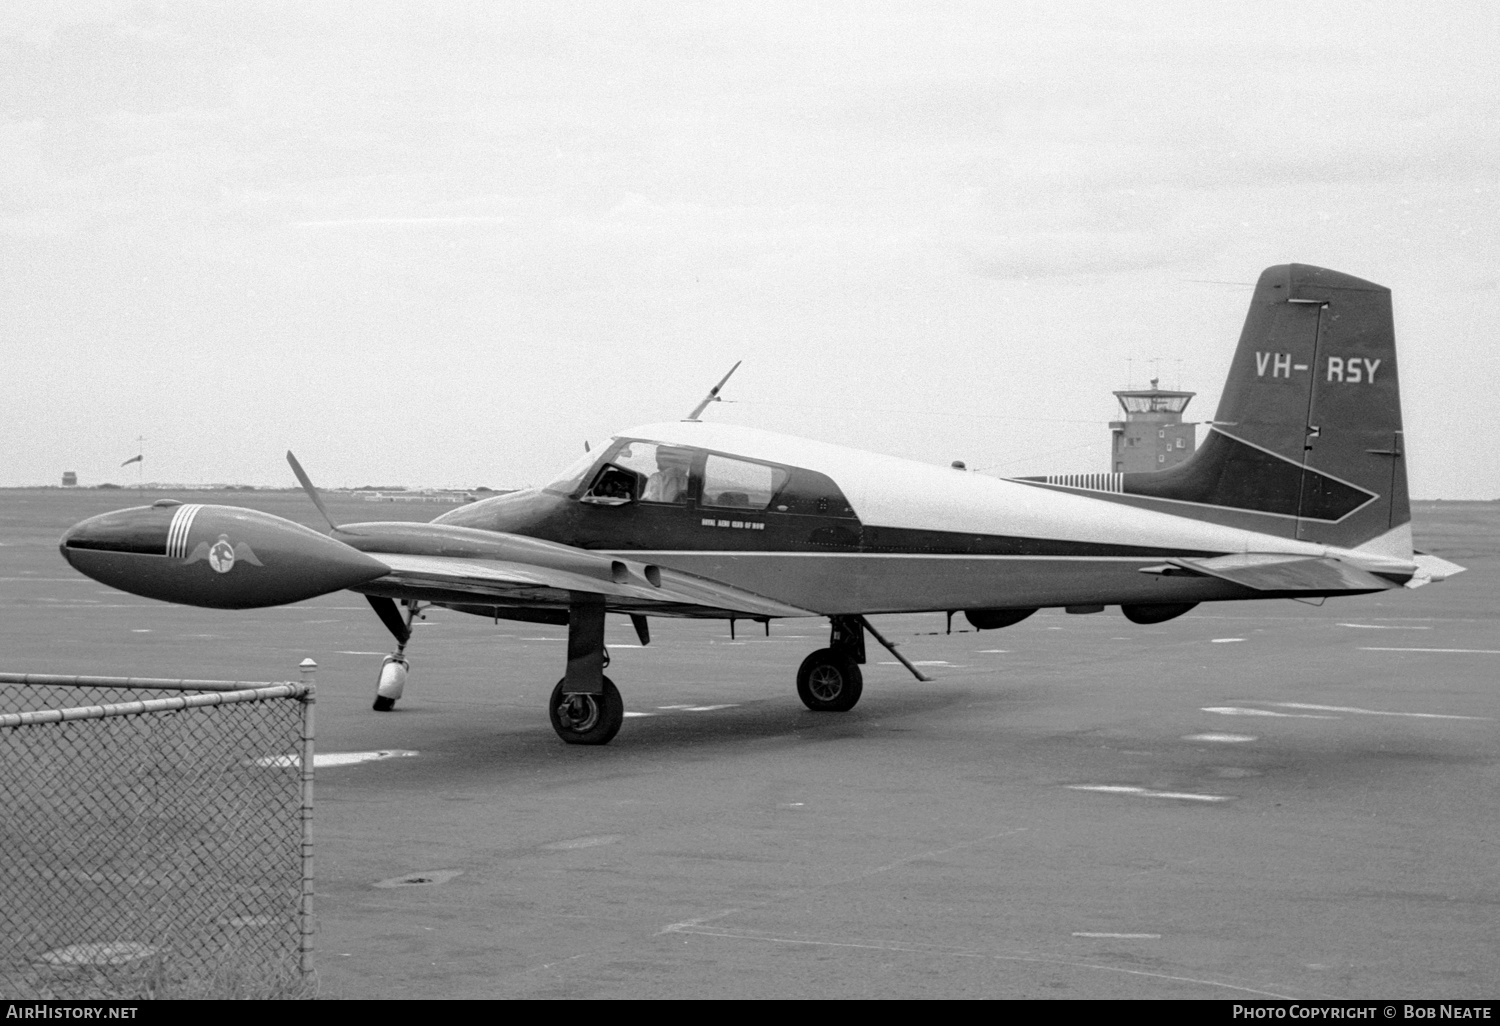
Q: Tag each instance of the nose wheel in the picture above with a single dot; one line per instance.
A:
(582, 719)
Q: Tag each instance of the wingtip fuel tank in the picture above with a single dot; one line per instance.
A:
(221, 557)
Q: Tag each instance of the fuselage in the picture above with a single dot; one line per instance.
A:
(839, 530)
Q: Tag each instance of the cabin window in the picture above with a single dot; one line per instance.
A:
(738, 484)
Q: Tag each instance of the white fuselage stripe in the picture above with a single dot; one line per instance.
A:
(177, 533)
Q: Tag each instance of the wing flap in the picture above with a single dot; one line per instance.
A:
(525, 584)
(1265, 571)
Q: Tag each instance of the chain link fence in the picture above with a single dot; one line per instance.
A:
(154, 837)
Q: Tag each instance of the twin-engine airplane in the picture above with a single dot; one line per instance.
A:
(1298, 491)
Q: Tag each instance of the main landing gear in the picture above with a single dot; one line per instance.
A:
(829, 680)
(585, 707)
(584, 719)
(394, 668)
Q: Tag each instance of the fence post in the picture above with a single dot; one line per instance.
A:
(309, 670)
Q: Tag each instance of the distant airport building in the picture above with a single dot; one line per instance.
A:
(70, 479)
(1153, 435)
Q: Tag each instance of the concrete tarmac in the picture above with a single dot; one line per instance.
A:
(1253, 800)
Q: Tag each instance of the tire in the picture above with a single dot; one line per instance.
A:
(587, 719)
(383, 704)
(829, 682)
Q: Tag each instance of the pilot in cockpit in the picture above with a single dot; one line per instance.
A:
(670, 482)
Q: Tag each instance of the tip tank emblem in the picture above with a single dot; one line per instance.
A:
(222, 556)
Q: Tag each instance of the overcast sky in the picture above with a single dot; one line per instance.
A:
(446, 244)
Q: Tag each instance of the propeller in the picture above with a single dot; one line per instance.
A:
(307, 486)
(713, 394)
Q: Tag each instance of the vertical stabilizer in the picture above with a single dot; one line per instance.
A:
(1307, 439)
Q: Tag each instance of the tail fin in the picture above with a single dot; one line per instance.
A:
(1307, 439)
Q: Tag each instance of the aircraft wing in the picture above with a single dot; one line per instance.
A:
(1275, 572)
(447, 579)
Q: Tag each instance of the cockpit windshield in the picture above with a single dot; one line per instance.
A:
(569, 480)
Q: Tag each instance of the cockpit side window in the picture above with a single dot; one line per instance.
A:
(740, 484)
(643, 471)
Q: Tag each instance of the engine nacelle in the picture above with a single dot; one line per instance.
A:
(222, 557)
(1155, 612)
(992, 619)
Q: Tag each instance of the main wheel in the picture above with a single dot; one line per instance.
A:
(587, 719)
(392, 682)
(829, 682)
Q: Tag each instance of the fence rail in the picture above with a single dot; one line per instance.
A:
(155, 844)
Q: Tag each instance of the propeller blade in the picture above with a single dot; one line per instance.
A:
(713, 394)
(307, 486)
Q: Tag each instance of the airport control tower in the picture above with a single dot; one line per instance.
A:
(1153, 435)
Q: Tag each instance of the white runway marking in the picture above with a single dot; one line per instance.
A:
(1141, 792)
(582, 842)
(541, 639)
(922, 662)
(995, 651)
(628, 715)
(1122, 936)
(1234, 710)
(110, 953)
(323, 760)
(699, 708)
(1468, 651)
(1225, 738)
(141, 630)
(361, 653)
(618, 645)
(1376, 712)
(1225, 641)
(1383, 627)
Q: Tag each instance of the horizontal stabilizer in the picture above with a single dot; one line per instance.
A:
(1432, 568)
(1272, 572)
